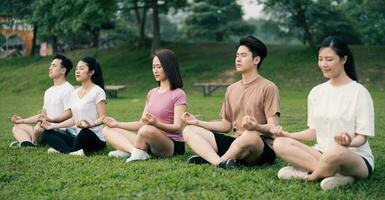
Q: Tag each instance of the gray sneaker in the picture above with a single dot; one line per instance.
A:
(119, 154)
(289, 172)
(52, 150)
(335, 181)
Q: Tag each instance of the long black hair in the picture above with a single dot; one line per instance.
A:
(97, 76)
(341, 48)
(170, 66)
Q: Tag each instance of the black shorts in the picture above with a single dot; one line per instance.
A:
(178, 148)
(224, 142)
(370, 170)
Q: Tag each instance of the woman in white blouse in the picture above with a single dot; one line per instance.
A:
(87, 107)
(340, 119)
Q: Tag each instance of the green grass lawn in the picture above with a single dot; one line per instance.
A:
(34, 174)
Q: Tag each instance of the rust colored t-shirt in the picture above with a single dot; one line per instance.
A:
(258, 98)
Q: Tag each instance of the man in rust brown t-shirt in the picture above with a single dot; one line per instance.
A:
(250, 109)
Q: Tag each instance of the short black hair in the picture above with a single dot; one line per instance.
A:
(256, 46)
(65, 62)
(170, 66)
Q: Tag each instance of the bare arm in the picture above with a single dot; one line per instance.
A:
(305, 135)
(66, 115)
(67, 123)
(15, 119)
(223, 126)
(220, 126)
(130, 126)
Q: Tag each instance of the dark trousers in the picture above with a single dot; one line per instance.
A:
(66, 142)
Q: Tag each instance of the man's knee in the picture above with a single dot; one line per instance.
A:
(249, 140)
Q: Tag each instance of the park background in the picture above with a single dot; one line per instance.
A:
(122, 34)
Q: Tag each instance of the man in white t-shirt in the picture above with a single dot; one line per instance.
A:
(56, 99)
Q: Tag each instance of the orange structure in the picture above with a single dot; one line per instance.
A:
(21, 30)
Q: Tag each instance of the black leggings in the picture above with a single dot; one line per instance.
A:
(66, 142)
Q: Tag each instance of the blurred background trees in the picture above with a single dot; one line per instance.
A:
(71, 24)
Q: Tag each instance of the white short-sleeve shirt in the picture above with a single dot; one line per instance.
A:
(56, 100)
(84, 108)
(347, 108)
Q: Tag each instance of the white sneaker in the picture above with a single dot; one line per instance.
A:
(14, 144)
(138, 154)
(77, 153)
(52, 150)
(289, 172)
(119, 154)
(335, 181)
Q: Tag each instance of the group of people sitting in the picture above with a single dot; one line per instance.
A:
(340, 118)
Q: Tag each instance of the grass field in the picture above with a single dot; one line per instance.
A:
(34, 174)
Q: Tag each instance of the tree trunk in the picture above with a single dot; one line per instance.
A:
(140, 19)
(95, 38)
(305, 26)
(137, 16)
(55, 45)
(142, 33)
(155, 26)
(34, 39)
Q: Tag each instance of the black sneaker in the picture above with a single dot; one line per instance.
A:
(27, 144)
(197, 160)
(228, 164)
(222, 165)
(232, 164)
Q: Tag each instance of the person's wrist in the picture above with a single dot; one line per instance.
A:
(197, 123)
(256, 127)
(54, 126)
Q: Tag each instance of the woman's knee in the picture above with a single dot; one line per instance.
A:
(146, 131)
(281, 144)
(107, 131)
(335, 154)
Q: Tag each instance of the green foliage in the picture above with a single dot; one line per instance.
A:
(369, 20)
(215, 19)
(271, 32)
(357, 21)
(69, 19)
(16, 8)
